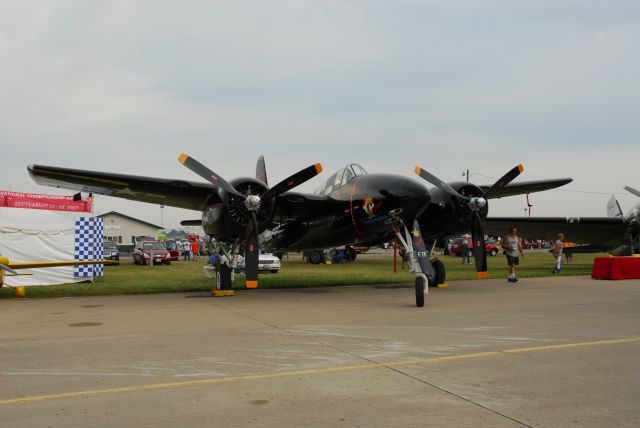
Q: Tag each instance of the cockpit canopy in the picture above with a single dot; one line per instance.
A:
(340, 178)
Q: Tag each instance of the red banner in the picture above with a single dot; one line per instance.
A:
(43, 202)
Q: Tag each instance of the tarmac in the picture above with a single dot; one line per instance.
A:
(552, 352)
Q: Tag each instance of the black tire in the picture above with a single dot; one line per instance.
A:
(315, 258)
(440, 273)
(224, 276)
(419, 292)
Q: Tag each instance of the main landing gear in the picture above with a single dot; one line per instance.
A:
(226, 271)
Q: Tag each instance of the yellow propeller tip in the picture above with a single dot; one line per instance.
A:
(483, 275)
(183, 158)
(520, 167)
(319, 168)
(251, 284)
(418, 170)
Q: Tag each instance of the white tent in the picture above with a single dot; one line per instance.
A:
(37, 235)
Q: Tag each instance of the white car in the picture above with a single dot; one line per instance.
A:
(266, 263)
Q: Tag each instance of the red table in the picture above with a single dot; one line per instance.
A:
(616, 268)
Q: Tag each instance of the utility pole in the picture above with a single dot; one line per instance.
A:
(162, 215)
(467, 174)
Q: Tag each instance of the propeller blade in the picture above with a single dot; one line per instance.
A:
(293, 181)
(207, 174)
(479, 251)
(632, 191)
(425, 175)
(506, 179)
(261, 170)
(421, 251)
(8, 269)
(252, 253)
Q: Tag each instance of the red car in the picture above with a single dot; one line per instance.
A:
(456, 247)
(146, 251)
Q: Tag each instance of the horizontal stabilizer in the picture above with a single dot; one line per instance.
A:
(191, 223)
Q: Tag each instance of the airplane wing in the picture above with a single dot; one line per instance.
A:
(301, 205)
(524, 187)
(163, 191)
(48, 264)
(608, 231)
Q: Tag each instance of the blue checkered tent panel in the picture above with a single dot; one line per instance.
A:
(89, 236)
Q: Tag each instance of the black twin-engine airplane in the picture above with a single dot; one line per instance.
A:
(352, 207)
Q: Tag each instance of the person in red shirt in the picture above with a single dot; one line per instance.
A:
(195, 250)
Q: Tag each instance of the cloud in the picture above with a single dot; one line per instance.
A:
(127, 86)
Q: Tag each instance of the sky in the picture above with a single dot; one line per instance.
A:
(127, 86)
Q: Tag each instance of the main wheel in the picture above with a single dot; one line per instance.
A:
(224, 278)
(315, 258)
(440, 273)
(419, 292)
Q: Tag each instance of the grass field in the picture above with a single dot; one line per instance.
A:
(368, 269)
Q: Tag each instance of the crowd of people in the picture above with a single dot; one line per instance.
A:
(191, 249)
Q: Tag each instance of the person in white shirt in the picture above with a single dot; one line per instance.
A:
(512, 245)
(557, 253)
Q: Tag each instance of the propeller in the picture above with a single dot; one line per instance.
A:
(252, 202)
(475, 204)
(632, 191)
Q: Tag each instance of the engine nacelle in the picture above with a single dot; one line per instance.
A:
(226, 216)
(447, 214)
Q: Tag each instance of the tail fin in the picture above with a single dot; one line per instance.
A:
(613, 208)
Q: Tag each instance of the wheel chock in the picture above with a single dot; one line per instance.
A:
(443, 285)
(223, 293)
(20, 291)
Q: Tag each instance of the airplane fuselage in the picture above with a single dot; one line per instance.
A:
(362, 210)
